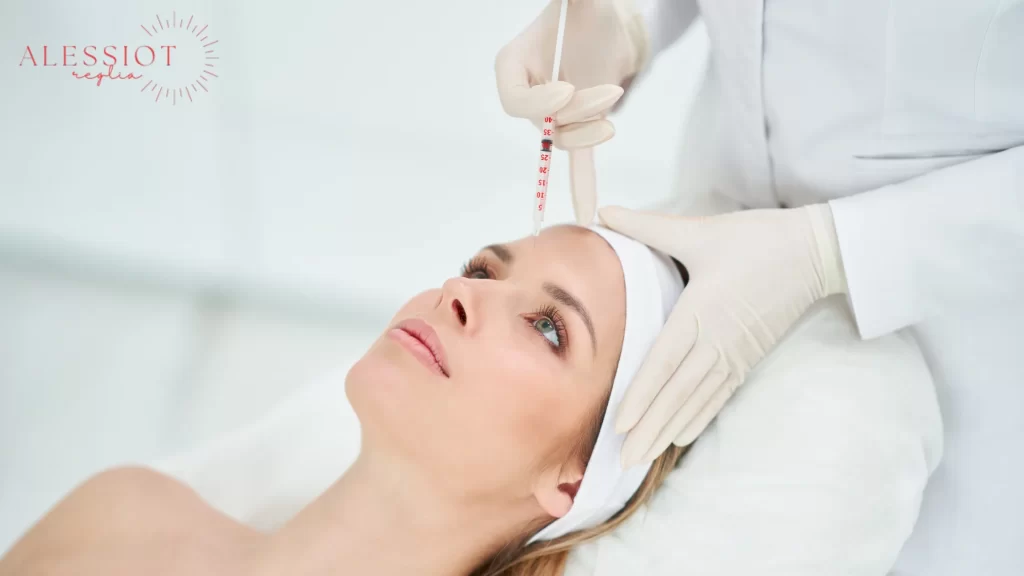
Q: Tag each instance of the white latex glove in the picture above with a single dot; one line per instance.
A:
(752, 275)
(605, 44)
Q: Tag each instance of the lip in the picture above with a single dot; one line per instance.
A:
(422, 341)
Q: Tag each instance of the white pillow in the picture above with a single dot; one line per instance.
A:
(816, 466)
(265, 473)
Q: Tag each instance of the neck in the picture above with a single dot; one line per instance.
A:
(380, 519)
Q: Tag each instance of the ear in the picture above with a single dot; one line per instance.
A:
(556, 490)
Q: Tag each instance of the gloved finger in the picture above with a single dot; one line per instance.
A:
(583, 183)
(596, 117)
(693, 405)
(625, 88)
(681, 384)
(588, 103)
(583, 134)
(670, 234)
(708, 412)
(585, 106)
(521, 100)
(670, 348)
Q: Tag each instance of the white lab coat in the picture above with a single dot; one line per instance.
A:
(908, 117)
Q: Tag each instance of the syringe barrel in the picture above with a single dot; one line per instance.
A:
(543, 171)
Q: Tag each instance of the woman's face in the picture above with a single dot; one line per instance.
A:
(487, 383)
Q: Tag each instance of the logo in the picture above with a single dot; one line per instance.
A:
(175, 59)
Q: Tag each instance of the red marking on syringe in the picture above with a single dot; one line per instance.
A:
(543, 171)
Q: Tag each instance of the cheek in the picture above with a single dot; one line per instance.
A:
(524, 402)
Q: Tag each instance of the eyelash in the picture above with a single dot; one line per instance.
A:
(479, 264)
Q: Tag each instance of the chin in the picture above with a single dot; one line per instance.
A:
(385, 394)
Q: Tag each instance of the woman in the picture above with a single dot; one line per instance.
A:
(481, 408)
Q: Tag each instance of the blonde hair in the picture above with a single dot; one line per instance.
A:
(549, 558)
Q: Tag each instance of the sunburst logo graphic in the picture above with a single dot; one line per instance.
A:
(194, 59)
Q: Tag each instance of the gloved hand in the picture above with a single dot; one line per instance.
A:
(605, 44)
(752, 275)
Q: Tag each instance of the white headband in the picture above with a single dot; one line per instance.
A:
(653, 285)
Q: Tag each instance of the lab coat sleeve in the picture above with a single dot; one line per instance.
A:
(941, 242)
(666, 20)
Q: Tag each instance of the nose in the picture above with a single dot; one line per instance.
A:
(461, 299)
(472, 303)
(460, 311)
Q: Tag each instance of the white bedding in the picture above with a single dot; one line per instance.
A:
(817, 466)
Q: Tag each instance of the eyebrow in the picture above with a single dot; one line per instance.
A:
(563, 296)
(555, 291)
(502, 252)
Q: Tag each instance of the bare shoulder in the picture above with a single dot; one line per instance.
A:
(128, 519)
(119, 491)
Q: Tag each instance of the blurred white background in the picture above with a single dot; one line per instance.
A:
(170, 271)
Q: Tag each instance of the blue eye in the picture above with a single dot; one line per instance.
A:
(547, 328)
(548, 322)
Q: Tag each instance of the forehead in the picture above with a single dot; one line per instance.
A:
(566, 246)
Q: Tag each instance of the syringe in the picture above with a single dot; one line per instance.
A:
(548, 134)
